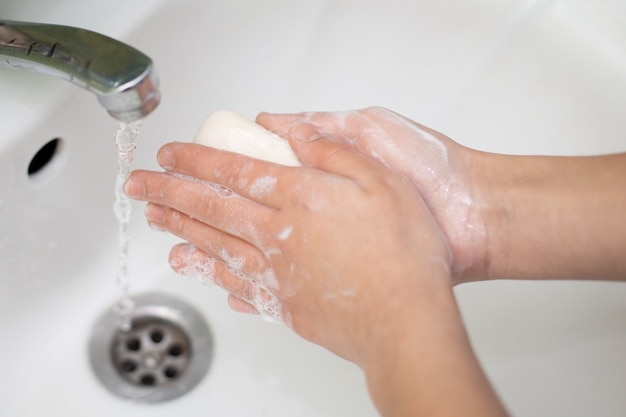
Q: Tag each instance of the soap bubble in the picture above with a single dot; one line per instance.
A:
(196, 266)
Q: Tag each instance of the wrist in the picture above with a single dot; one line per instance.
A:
(473, 243)
(399, 361)
(552, 217)
(496, 202)
(494, 180)
(423, 359)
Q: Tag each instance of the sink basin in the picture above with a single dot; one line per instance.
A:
(510, 76)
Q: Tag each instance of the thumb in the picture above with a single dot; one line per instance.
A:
(303, 132)
(321, 150)
(302, 137)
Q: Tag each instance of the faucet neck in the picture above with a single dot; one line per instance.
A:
(122, 77)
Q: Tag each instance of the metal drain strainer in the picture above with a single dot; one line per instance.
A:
(165, 353)
(152, 353)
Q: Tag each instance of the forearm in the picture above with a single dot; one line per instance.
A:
(425, 365)
(554, 217)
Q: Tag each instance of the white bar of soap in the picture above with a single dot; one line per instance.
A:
(231, 132)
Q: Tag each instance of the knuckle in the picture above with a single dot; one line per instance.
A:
(206, 204)
(237, 172)
(248, 292)
(176, 222)
(375, 111)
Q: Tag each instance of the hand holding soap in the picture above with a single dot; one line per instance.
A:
(229, 131)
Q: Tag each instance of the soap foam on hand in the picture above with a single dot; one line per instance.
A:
(228, 131)
(231, 132)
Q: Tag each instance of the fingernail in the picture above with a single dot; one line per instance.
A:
(304, 132)
(135, 188)
(155, 214)
(175, 262)
(165, 158)
(180, 257)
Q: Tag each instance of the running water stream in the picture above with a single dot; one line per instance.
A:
(125, 139)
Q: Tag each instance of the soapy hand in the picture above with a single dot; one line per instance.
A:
(337, 249)
(437, 166)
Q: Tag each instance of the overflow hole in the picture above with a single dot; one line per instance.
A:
(44, 156)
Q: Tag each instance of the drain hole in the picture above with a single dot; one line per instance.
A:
(170, 372)
(156, 336)
(44, 156)
(148, 380)
(175, 350)
(129, 366)
(133, 344)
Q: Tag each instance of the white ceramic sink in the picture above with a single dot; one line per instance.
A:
(504, 76)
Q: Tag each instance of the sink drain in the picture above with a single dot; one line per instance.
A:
(152, 353)
(163, 356)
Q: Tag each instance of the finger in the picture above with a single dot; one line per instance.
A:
(248, 177)
(241, 306)
(331, 155)
(347, 124)
(231, 214)
(187, 260)
(380, 133)
(234, 252)
(386, 137)
(372, 130)
(194, 263)
(279, 123)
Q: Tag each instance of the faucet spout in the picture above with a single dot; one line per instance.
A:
(122, 77)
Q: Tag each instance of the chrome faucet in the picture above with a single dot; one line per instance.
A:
(122, 78)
